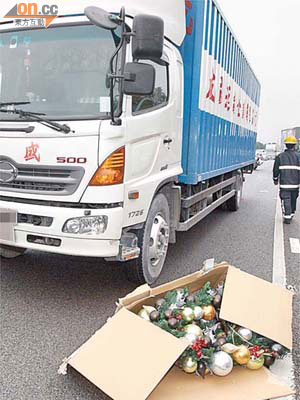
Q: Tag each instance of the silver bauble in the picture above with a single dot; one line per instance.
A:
(191, 337)
(189, 365)
(188, 314)
(194, 330)
(198, 313)
(221, 363)
(245, 333)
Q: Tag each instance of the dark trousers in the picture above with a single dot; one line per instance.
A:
(289, 200)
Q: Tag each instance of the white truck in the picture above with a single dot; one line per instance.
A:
(120, 128)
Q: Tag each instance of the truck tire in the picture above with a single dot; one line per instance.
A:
(153, 241)
(233, 204)
(10, 251)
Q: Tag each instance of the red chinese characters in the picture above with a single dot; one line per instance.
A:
(32, 153)
(190, 23)
(211, 91)
(222, 93)
(227, 98)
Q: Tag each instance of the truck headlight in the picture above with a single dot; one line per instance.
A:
(86, 225)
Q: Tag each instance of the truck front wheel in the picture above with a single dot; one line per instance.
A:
(10, 251)
(153, 241)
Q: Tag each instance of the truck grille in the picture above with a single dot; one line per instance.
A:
(47, 180)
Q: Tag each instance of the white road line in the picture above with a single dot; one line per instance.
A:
(285, 367)
(295, 245)
(279, 273)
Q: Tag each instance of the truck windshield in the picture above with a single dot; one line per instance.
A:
(61, 70)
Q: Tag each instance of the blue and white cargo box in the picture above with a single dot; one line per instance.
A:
(221, 97)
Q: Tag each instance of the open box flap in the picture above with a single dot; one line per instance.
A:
(269, 307)
(127, 357)
(241, 384)
(141, 292)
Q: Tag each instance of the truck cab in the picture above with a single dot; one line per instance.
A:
(77, 192)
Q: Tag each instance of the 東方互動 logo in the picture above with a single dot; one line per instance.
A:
(33, 14)
(32, 153)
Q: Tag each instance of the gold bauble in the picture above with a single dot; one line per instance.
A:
(189, 365)
(194, 330)
(209, 313)
(256, 363)
(242, 355)
(188, 314)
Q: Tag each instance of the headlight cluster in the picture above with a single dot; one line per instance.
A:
(86, 225)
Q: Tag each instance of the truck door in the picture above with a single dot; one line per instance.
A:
(154, 128)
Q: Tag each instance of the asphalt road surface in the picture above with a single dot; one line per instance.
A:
(51, 304)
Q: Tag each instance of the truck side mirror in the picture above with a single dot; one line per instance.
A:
(148, 37)
(139, 79)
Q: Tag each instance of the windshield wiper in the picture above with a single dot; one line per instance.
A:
(14, 103)
(38, 117)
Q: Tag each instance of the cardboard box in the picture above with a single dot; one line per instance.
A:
(132, 359)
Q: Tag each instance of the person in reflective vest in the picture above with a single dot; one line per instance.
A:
(286, 172)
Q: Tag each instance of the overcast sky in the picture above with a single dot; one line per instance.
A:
(269, 32)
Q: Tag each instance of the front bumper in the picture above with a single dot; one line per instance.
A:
(102, 245)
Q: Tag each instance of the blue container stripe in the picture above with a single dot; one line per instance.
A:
(223, 45)
(211, 28)
(217, 36)
(207, 25)
(220, 40)
(212, 145)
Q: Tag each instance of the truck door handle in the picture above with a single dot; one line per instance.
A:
(168, 141)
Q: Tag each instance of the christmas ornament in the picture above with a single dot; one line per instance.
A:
(220, 289)
(194, 330)
(190, 298)
(269, 361)
(191, 337)
(217, 301)
(188, 314)
(168, 313)
(180, 299)
(202, 368)
(143, 314)
(189, 365)
(149, 309)
(255, 363)
(229, 348)
(159, 303)
(209, 333)
(242, 355)
(173, 322)
(245, 333)
(209, 312)
(206, 341)
(278, 350)
(221, 335)
(198, 313)
(154, 316)
(221, 363)
(221, 341)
